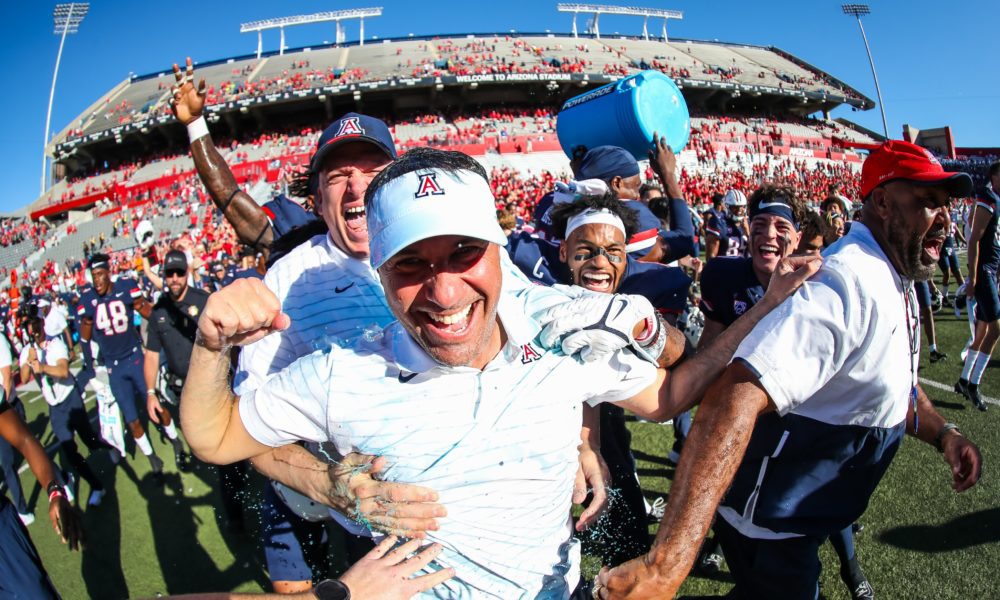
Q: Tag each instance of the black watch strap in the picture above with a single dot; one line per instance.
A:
(331, 589)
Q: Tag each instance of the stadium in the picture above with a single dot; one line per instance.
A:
(757, 113)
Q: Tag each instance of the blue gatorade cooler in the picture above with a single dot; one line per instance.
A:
(625, 114)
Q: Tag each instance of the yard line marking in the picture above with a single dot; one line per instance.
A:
(950, 388)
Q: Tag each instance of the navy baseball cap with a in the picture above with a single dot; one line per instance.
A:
(353, 127)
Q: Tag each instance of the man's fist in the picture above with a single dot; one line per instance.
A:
(240, 314)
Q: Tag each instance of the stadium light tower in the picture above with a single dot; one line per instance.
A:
(857, 11)
(67, 20)
(598, 9)
(336, 16)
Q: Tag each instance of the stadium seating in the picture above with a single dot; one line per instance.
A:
(140, 98)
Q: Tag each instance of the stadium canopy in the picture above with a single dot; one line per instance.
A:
(324, 17)
(598, 9)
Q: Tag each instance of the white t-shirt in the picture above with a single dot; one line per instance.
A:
(54, 390)
(842, 349)
(56, 321)
(499, 445)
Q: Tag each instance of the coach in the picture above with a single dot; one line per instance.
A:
(805, 421)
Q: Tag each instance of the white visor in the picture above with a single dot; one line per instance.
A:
(429, 203)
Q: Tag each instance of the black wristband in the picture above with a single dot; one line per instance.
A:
(54, 486)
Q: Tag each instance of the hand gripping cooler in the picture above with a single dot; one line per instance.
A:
(626, 113)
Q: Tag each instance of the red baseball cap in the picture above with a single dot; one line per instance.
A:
(897, 159)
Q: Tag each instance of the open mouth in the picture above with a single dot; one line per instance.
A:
(769, 251)
(354, 220)
(451, 325)
(932, 249)
(596, 281)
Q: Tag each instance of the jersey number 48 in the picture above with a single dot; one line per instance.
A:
(112, 317)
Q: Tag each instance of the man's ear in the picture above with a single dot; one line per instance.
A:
(879, 201)
(563, 252)
(616, 184)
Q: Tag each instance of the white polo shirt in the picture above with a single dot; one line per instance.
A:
(330, 297)
(841, 350)
(54, 390)
(499, 445)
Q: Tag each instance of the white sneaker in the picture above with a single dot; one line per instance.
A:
(27, 518)
(95, 497)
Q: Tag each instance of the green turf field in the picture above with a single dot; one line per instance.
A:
(921, 540)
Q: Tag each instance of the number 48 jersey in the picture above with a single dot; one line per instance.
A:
(112, 315)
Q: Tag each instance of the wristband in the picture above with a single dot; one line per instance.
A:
(54, 489)
(653, 347)
(941, 432)
(197, 129)
(150, 392)
(648, 330)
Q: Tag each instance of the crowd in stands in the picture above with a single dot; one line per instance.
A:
(17, 230)
(443, 57)
(973, 165)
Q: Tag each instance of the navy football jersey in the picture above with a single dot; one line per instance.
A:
(542, 217)
(538, 259)
(729, 287)
(989, 244)
(113, 316)
(285, 215)
(732, 239)
(665, 287)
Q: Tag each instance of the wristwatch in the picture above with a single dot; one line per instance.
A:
(331, 589)
(941, 433)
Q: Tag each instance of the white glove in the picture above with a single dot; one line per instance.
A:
(574, 190)
(595, 325)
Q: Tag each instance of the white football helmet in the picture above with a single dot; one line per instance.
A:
(144, 235)
(735, 198)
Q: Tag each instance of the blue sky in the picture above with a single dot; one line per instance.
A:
(932, 63)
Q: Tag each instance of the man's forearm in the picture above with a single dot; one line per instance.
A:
(17, 435)
(973, 257)
(712, 453)
(297, 468)
(927, 423)
(688, 382)
(207, 402)
(150, 366)
(242, 212)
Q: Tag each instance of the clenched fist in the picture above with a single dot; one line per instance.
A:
(240, 314)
